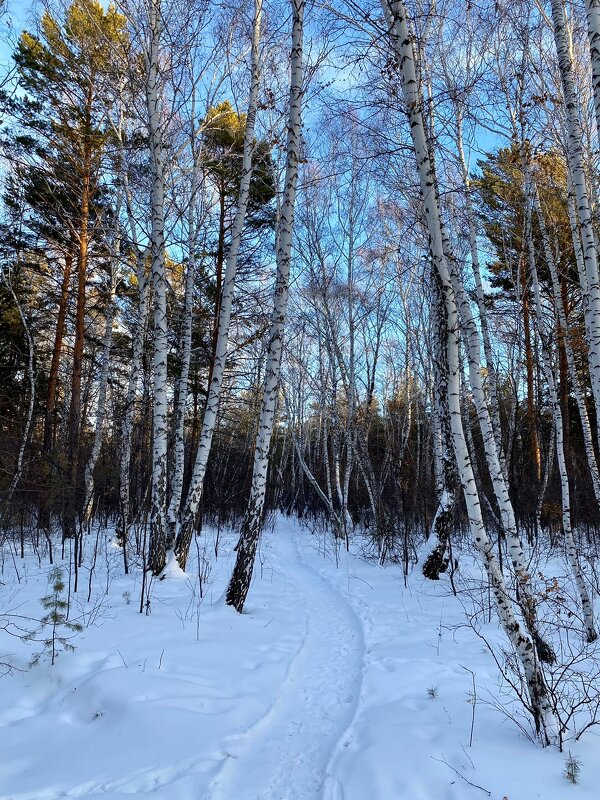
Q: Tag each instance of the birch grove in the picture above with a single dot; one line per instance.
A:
(336, 261)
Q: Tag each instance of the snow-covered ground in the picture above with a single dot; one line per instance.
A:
(338, 682)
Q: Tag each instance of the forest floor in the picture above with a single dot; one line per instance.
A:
(339, 682)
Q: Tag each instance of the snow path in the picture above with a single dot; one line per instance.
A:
(340, 682)
(286, 754)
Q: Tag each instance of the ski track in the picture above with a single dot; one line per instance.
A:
(287, 753)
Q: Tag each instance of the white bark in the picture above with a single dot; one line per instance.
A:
(592, 8)
(575, 153)
(31, 405)
(138, 336)
(157, 548)
(572, 368)
(402, 42)
(335, 519)
(192, 503)
(507, 514)
(433, 560)
(576, 237)
(570, 546)
(483, 317)
(545, 478)
(490, 440)
(102, 392)
(351, 394)
(185, 348)
(242, 574)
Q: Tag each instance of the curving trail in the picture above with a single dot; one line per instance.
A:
(285, 755)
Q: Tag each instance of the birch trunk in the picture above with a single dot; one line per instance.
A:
(576, 237)
(488, 415)
(497, 474)
(350, 432)
(482, 311)
(545, 479)
(335, 518)
(576, 162)
(157, 545)
(326, 464)
(507, 514)
(558, 422)
(194, 496)
(433, 559)
(239, 583)
(101, 407)
(31, 405)
(50, 415)
(75, 405)
(572, 368)
(185, 350)
(592, 8)
(138, 336)
(402, 41)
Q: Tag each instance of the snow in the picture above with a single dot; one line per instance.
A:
(338, 682)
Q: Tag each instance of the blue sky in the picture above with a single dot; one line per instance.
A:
(17, 16)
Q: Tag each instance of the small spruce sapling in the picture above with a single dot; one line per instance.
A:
(572, 769)
(54, 625)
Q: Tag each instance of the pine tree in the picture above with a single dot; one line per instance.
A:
(54, 625)
(68, 80)
(223, 145)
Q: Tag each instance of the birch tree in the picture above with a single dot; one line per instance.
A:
(558, 422)
(194, 495)
(576, 386)
(239, 583)
(575, 156)
(592, 8)
(138, 336)
(31, 376)
(101, 402)
(185, 345)
(402, 41)
(105, 363)
(158, 532)
(434, 558)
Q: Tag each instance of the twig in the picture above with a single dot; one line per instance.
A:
(473, 703)
(460, 775)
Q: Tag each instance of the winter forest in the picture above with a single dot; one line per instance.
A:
(300, 399)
